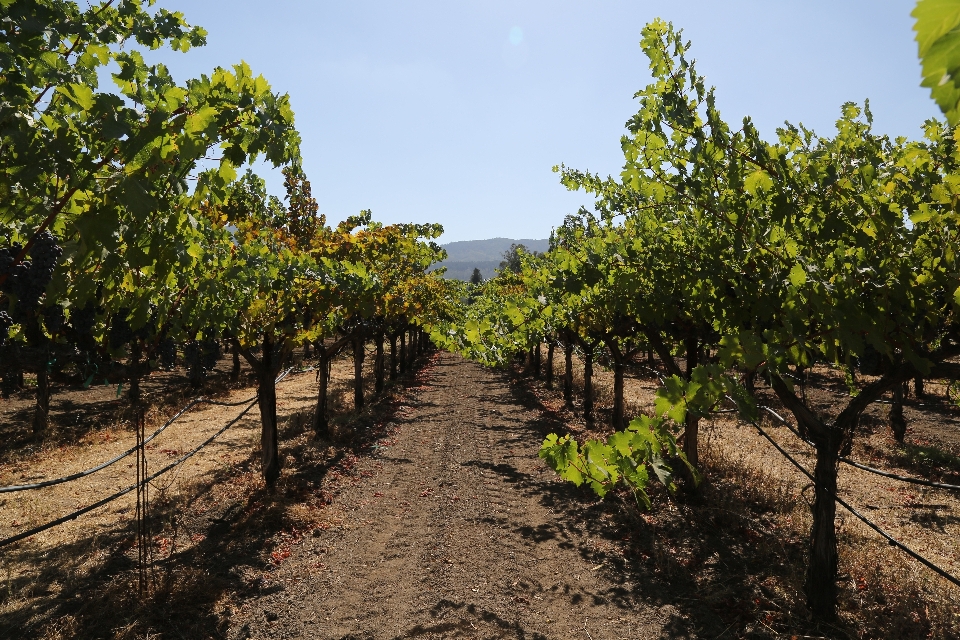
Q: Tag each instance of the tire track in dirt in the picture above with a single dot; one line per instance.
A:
(449, 533)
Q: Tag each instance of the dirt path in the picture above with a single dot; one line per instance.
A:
(453, 530)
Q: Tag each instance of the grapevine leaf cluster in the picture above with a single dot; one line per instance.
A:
(735, 258)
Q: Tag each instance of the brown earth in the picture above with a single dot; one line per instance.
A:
(431, 516)
(457, 530)
(437, 489)
(755, 499)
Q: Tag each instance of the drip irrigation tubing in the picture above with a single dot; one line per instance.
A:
(894, 476)
(863, 467)
(104, 465)
(843, 459)
(890, 539)
(123, 492)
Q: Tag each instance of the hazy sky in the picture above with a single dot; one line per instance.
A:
(455, 111)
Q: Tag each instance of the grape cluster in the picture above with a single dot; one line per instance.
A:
(83, 320)
(120, 331)
(53, 318)
(149, 329)
(211, 353)
(5, 323)
(167, 353)
(200, 356)
(8, 382)
(192, 357)
(7, 257)
(28, 280)
(871, 362)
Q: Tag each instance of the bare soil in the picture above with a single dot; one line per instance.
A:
(756, 503)
(430, 515)
(455, 529)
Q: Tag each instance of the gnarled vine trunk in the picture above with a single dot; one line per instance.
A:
(691, 434)
(897, 422)
(378, 364)
(320, 425)
(588, 384)
(266, 369)
(618, 405)
(821, 582)
(403, 352)
(568, 373)
(267, 401)
(41, 413)
(820, 585)
(393, 356)
(358, 354)
(412, 348)
(235, 372)
(549, 376)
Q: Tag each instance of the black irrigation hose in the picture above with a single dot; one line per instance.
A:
(784, 422)
(887, 474)
(92, 470)
(123, 492)
(890, 539)
(879, 472)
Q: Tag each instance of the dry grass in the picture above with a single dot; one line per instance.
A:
(216, 533)
(738, 544)
(734, 549)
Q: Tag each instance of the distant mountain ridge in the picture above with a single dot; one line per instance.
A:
(466, 255)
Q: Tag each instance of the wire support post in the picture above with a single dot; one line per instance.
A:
(119, 494)
(144, 555)
(142, 477)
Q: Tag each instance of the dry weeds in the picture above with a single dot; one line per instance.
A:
(736, 547)
(738, 544)
(213, 525)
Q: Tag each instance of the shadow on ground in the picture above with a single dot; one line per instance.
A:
(90, 589)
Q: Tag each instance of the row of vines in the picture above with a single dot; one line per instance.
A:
(132, 227)
(736, 258)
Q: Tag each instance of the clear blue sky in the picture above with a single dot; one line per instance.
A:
(455, 111)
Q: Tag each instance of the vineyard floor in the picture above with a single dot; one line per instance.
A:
(429, 515)
(457, 530)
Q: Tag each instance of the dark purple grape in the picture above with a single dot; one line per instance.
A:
(193, 359)
(167, 353)
(83, 320)
(210, 354)
(120, 331)
(53, 318)
(5, 323)
(28, 280)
